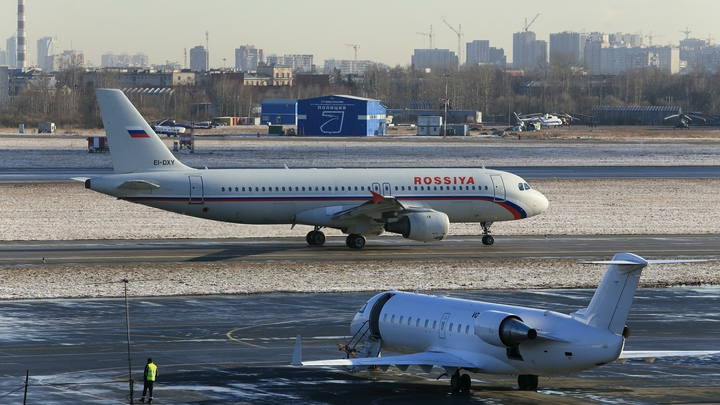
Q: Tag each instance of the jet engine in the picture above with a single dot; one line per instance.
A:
(502, 329)
(430, 226)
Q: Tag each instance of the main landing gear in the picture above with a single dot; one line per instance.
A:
(355, 241)
(528, 382)
(315, 238)
(460, 383)
(487, 240)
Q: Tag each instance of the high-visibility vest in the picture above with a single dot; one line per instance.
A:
(151, 372)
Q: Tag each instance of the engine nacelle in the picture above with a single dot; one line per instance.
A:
(502, 329)
(430, 226)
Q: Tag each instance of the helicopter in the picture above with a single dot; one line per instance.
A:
(683, 120)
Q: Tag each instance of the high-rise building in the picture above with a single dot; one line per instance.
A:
(497, 56)
(140, 60)
(527, 51)
(298, 63)
(248, 57)
(477, 52)
(47, 48)
(198, 58)
(2, 57)
(433, 59)
(570, 44)
(11, 51)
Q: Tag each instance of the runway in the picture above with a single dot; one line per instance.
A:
(97, 252)
(236, 349)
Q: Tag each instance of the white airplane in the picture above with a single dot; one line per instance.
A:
(418, 203)
(483, 337)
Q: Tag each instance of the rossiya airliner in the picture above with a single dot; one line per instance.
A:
(418, 203)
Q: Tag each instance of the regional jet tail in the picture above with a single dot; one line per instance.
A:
(490, 338)
(418, 203)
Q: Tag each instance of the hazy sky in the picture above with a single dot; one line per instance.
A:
(384, 30)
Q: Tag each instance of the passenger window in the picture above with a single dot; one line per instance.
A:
(323, 189)
(459, 328)
(486, 188)
(451, 326)
(263, 188)
(415, 188)
(473, 188)
(385, 318)
(435, 188)
(392, 319)
(434, 324)
(236, 189)
(257, 189)
(336, 188)
(316, 188)
(401, 319)
(277, 189)
(409, 320)
(426, 324)
(283, 189)
(467, 329)
(441, 187)
(417, 323)
(303, 188)
(453, 187)
(243, 189)
(223, 189)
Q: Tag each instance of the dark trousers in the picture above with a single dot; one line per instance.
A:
(148, 386)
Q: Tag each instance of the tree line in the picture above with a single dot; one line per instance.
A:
(496, 92)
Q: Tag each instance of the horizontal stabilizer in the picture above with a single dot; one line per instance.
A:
(649, 356)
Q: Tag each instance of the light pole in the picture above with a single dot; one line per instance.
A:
(127, 326)
(445, 106)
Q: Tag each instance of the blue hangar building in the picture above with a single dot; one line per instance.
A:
(341, 116)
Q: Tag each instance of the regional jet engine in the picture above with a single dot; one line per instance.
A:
(502, 329)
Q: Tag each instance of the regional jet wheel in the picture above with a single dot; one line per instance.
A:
(488, 240)
(309, 238)
(465, 382)
(355, 241)
(455, 384)
(318, 238)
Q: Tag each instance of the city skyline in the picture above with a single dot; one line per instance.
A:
(385, 32)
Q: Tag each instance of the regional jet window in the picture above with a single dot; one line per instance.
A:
(450, 328)
(459, 327)
(392, 319)
(434, 324)
(417, 323)
(426, 324)
(467, 329)
(409, 320)
(385, 318)
(401, 319)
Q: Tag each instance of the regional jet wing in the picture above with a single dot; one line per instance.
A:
(420, 359)
(379, 204)
(650, 355)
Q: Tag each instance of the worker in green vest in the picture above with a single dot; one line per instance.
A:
(149, 379)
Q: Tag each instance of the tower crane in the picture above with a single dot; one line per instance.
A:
(527, 26)
(355, 46)
(429, 35)
(459, 34)
(687, 33)
(651, 36)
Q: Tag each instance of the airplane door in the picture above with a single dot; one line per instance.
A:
(387, 190)
(498, 187)
(375, 314)
(196, 190)
(443, 325)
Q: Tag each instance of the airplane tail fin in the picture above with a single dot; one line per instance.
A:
(610, 306)
(134, 146)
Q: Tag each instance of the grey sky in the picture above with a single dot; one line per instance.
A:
(384, 30)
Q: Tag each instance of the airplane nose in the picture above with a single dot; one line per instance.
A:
(541, 204)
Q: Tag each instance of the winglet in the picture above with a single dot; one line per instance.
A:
(376, 197)
(297, 353)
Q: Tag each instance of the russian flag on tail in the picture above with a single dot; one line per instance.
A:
(137, 132)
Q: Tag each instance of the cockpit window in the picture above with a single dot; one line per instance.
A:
(521, 186)
(362, 309)
(527, 186)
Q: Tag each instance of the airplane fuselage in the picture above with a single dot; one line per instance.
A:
(412, 323)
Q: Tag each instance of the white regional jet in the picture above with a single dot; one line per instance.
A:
(418, 203)
(483, 337)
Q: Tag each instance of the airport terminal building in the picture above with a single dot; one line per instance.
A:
(341, 115)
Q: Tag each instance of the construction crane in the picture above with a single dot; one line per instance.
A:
(459, 34)
(651, 36)
(527, 26)
(355, 46)
(429, 35)
(687, 33)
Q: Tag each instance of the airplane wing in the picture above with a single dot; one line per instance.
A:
(650, 355)
(426, 360)
(379, 204)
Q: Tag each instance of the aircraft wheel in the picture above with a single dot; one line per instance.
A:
(455, 383)
(309, 238)
(465, 382)
(528, 382)
(488, 240)
(318, 238)
(355, 241)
